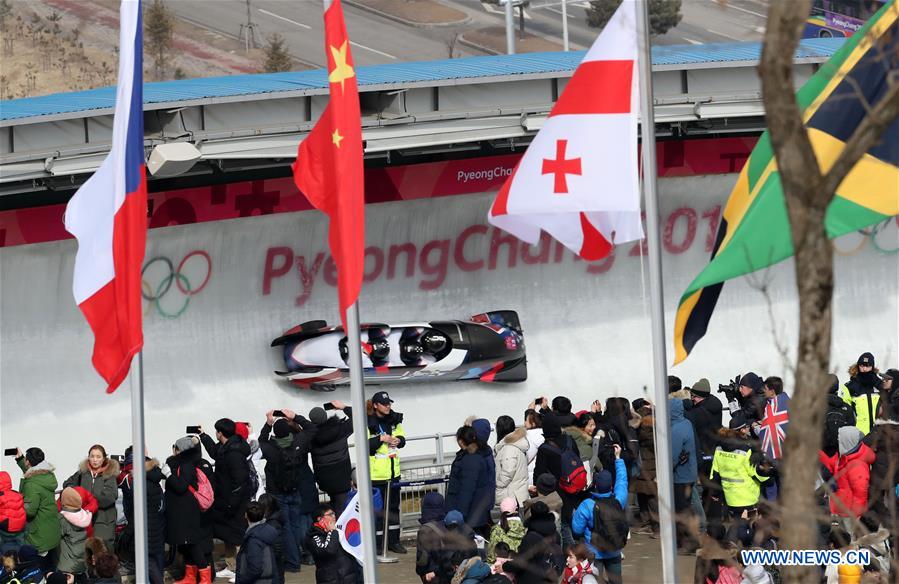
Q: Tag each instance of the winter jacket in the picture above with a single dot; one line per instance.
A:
(230, 482)
(862, 393)
(73, 527)
(384, 460)
(683, 444)
(549, 460)
(582, 573)
(472, 571)
(332, 564)
(753, 406)
(470, 489)
(12, 506)
(184, 522)
(155, 506)
(272, 451)
(512, 467)
(512, 537)
(535, 439)
(331, 455)
(851, 468)
(582, 440)
(552, 500)
(540, 559)
(104, 487)
(428, 547)
(645, 482)
(38, 489)
(884, 441)
(256, 562)
(88, 503)
(737, 467)
(706, 419)
(582, 520)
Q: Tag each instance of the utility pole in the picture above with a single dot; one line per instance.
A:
(510, 29)
(248, 30)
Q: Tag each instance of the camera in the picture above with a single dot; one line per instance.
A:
(730, 390)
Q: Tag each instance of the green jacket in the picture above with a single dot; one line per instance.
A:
(71, 545)
(512, 538)
(38, 488)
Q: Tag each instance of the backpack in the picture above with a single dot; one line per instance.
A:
(610, 526)
(287, 477)
(203, 494)
(834, 419)
(252, 484)
(573, 475)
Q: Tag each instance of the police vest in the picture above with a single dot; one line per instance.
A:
(739, 480)
(865, 406)
(385, 463)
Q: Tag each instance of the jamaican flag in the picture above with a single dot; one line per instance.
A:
(755, 230)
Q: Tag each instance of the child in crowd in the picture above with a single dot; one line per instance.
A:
(256, 563)
(579, 566)
(73, 524)
(509, 530)
(503, 555)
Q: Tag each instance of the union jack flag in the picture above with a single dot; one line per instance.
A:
(773, 430)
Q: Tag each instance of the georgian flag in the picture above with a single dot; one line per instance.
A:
(349, 529)
(108, 217)
(578, 179)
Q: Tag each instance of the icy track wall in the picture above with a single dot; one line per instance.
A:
(238, 284)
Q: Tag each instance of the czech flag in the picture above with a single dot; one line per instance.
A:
(108, 217)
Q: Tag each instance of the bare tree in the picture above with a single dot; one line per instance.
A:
(159, 24)
(808, 190)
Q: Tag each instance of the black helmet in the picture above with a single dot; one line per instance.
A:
(433, 342)
(379, 350)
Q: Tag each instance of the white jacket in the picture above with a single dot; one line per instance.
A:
(512, 467)
(535, 439)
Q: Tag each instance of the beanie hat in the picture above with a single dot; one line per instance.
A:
(27, 554)
(70, 498)
(453, 518)
(546, 484)
(552, 428)
(432, 505)
(482, 429)
(226, 427)
(602, 481)
(281, 428)
(508, 505)
(834, 383)
(318, 416)
(34, 456)
(866, 359)
(752, 380)
(242, 430)
(701, 388)
(539, 509)
(186, 443)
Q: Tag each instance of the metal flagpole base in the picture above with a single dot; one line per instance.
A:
(384, 558)
(387, 560)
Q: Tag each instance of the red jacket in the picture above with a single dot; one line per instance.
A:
(88, 503)
(12, 506)
(852, 473)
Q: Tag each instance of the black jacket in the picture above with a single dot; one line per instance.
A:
(272, 454)
(549, 460)
(155, 507)
(185, 523)
(231, 487)
(753, 406)
(331, 455)
(276, 520)
(706, 419)
(332, 564)
(428, 547)
(256, 563)
(386, 425)
(469, 489)
(538, 552)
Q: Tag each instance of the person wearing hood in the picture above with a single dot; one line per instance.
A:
(385, 439)
(333, 565)
(187, 526)
(286, 454)
(38, 489)
(73, 522)
(684, 470)
(155, 516)
(582, 523)
(540, 559)
(470, 489)
(884, 441)
(509, 530)
(330, 452)
(98, 474)
(862, 391)
(232, 488)
(429, 541)
(839, 413)
(12, 515)
(739, 467)
(472, 571)
(256, 562)
(28, 568)
(482, 429)
(458, 542)
(256, 466)
(511, 456)
(851, 468)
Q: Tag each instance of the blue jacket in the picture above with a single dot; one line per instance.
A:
(470, 490)
(256, 562)
(582, 520)
(683, 439)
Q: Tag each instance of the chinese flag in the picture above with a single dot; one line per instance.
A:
(328, 168)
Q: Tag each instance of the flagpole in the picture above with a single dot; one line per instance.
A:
(657, 314)
(360, 432)
(139, 470)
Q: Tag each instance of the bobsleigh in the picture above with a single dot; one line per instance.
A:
(487, 347)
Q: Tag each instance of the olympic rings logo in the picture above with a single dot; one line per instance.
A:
(166, 278)
(882, 238)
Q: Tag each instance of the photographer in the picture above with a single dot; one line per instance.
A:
(330, 453)
(751, 397)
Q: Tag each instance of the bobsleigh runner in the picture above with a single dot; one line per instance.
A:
(487, 347)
